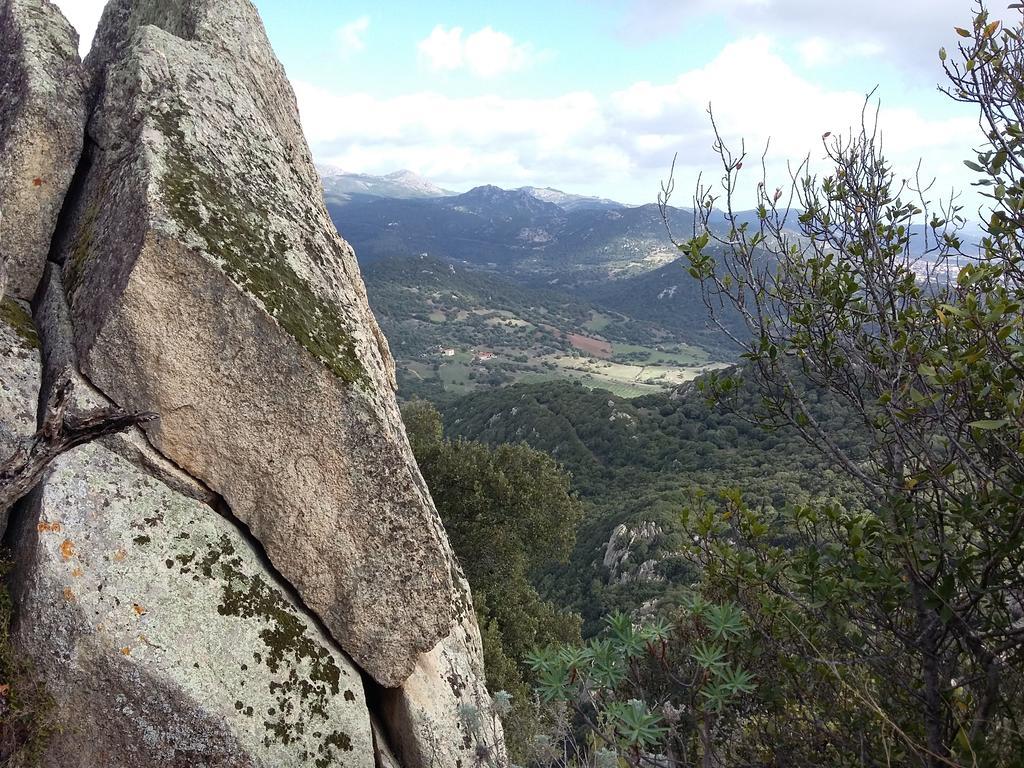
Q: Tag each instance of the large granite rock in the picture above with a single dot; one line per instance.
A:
(208, 284)
(56, 338)
(20, 374)
(443, 714)
(163, 639)
(196, 273)
(42, 122)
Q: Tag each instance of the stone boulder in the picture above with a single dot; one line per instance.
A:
(621, 550)
(19, 380)
(42, 123)
(207, 283)
(164, 640)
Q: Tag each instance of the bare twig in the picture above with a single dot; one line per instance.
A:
(60, 432)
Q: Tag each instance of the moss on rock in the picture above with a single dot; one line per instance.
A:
(305, 677)
(17, 318)
(253, 255)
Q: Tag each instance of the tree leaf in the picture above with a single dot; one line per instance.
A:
(989, 424)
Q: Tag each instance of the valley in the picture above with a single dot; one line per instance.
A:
(454, 330)
(524, 286)
(629, 492)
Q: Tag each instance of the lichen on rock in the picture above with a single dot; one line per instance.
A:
(254, 257)
(125, 587)
(217, 292)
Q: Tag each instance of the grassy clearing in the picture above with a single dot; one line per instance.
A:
(598, 322)
(674, 355)
(454, 372)
(461, 374)
(638, 379)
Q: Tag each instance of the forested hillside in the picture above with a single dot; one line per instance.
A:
(639, 462)
(515, 231)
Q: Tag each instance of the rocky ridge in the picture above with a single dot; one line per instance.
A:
(261, 579)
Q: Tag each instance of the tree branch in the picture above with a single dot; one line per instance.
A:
(59, 433)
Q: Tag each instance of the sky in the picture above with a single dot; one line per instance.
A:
(597, 96)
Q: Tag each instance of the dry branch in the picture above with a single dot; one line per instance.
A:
(61, 431)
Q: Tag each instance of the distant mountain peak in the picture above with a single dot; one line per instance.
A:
(569, 201)
(487, 190)
(343, 187)
(328, 171)
(414, 181)
(488, 196)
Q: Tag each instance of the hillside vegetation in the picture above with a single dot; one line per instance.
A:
(497, 331)
(814, 558)
(640, 461)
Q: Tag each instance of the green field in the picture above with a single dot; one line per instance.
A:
(533, 335)
(455, 371)
(669, 355)
(598, 322)
(462, 374)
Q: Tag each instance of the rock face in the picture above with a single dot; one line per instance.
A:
(19, 380)
(19, 384)
(443, 715)
(620, 557)
(143, 608)
(218, 591)
(216, 292)
(56, 332)
(42, 120)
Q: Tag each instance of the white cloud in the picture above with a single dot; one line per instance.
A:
(821, 52)
(352, 36)
(442, 49)
(620, 145)
(84, 16)
(485, 53)
(908, 33)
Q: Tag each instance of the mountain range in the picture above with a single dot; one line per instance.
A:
(569, 274)
(529, 232)
(342, 187)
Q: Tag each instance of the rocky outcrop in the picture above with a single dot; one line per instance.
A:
(19, 380)
(443, 714)
(217, 293)
(42, 120)
(620, 554)
(162, 638)
(225, 585)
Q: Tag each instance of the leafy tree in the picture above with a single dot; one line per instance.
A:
(918, 601)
